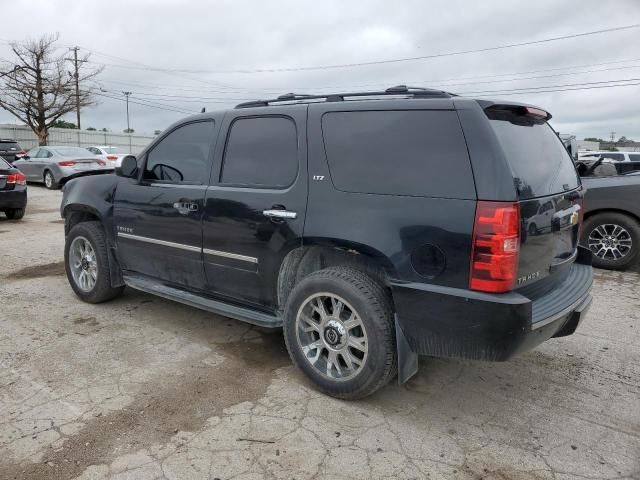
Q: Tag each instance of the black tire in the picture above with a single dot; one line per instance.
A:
(629, 224)
(102, 290)
(373, 304)
(15, 213)
(49, 180)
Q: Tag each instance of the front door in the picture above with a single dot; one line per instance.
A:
(256, 204)
(157, 217)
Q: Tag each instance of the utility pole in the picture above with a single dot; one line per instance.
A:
(613, 136)
(126, 94)
(77, 78)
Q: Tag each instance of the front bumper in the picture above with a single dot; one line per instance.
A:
(16, 198)
(449, 322)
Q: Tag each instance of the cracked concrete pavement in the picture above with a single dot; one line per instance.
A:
(143, 388)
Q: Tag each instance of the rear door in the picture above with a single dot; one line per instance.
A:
(549, 192)
(157, 217)
(27, 165)
(256, 204)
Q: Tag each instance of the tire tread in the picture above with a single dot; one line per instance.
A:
(373, 292)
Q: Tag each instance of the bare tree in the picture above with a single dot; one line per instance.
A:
(37, 86)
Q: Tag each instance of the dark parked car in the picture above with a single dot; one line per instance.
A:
(371, 230)
(13, 191)
(611, 227)
(10, 150)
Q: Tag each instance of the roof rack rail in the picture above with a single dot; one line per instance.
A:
(416, 92)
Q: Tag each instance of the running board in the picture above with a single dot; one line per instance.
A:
(153, 287)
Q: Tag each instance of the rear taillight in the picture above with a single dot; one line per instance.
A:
(21, 153)
(17, 178)
(112, 157)
(67, 163)
(495, 247)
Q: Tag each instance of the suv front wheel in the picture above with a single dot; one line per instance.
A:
(87, 263)
(339, 331)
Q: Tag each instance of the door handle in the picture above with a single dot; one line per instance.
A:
(285, 214)
(184, 208)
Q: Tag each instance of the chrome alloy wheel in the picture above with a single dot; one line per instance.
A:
(332, 337)
(83, 264)
(609, 241)
(48, 179)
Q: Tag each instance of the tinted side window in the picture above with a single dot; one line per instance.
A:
(409, 152)
(181, 156)
(634, 157)
(261, 152)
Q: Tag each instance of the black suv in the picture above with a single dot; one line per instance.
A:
(372, 227)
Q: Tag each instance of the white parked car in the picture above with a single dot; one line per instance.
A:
(109, 153)
(608, 155)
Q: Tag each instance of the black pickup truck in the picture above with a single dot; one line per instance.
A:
(611, 227)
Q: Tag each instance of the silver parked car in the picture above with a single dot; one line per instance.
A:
(53, 166)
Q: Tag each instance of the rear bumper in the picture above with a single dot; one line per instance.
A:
(16, 198)
(449, 322)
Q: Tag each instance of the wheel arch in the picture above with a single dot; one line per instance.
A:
(592, 213)
(75, 214)
(320, 253)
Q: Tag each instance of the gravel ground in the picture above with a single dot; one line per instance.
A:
(144, 388)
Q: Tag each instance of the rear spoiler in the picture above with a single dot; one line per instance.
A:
(515, 112)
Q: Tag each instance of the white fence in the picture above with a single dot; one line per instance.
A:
(79, 138)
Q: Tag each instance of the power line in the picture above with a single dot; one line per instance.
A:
(553, 86)
(381, 62)
(170, 109)
(432, 82)
(199, 98)
(561, 90)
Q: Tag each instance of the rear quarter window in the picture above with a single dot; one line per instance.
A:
(398, 152)
(539, 162)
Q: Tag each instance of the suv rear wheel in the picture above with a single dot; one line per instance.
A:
(339, 331)
(87, 264)
(613, 238)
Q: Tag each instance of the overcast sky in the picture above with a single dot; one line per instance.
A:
(214, 38)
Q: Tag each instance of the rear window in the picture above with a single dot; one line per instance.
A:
(398, 152)
(539, 162)
(112, 150)
(71, 151)
(9, 146)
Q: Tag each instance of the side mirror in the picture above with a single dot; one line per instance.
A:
(128, 168)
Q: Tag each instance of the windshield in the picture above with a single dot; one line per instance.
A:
(71, 151)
